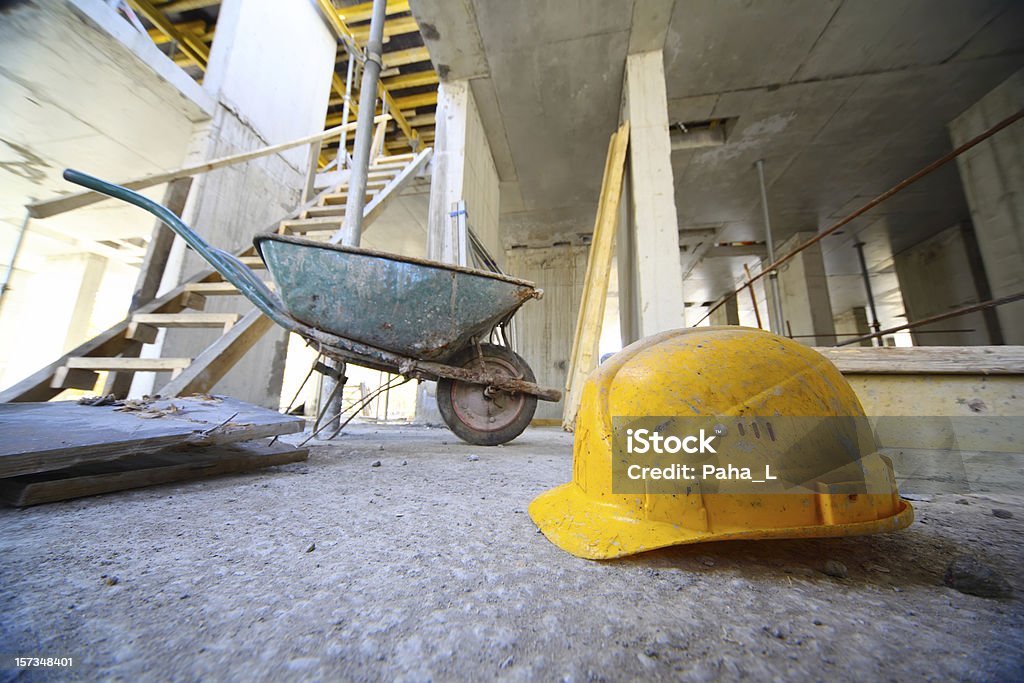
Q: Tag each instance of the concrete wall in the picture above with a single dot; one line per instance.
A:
(853, 323)
(266, 96)
(938, 275)
(545, 328)
(993, 180)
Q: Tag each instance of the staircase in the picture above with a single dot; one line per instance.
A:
(385, 176)
(116, 350)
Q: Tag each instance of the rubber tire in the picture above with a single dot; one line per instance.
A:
(467, 433)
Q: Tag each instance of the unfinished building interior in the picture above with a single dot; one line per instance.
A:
(311, 308)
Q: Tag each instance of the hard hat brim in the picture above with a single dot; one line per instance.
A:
(588, 528)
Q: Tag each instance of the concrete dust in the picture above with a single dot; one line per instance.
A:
(428, 568)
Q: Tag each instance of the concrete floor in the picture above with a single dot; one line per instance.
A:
(428, 568)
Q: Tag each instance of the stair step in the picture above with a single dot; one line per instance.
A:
(224, 320)
(216, 288)
(404, 158)
(254, 262)
(129, 364)
(323, 211)
(305, 225)
(341, 198)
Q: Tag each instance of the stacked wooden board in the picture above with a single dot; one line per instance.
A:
(61, 450)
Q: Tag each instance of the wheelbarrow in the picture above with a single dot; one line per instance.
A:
(407, 316)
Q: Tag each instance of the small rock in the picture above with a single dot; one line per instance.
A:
(375, 463)
(969, 575)
(381, 447)
(472, 458)
(962, 501)
(817, 622)
(707, 561)
(311, 548)
(111, 580)
(405, 462)
(836, 569)
(1001, 513)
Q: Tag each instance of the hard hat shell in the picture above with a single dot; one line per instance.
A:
(717, 371)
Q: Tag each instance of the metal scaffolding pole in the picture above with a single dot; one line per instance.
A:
(333, 386)
(353, 229)
(875, 325)
(776, 321)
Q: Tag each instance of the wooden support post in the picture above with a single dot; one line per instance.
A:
(74, 378)
(142, 333)
(595, 287)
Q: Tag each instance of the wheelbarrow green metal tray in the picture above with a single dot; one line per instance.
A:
(403, 315)
(409, 306)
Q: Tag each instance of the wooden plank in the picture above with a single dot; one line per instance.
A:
(412, 55)
(40, 437)
(52, 207)
(133, 472)
(130, 364)
(212, 288)
(188, 43)
(413, 80)
(342, 198)
(392, 27)
(956, 360)
(225, 320)
(364, 10)
(595, 286)
(215, 361)
(337, 210)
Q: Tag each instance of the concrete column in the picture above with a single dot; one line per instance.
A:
(545, 328)
(804, 289)
(463, 170)
(853, 323)
(993, 178)
(265, 96)
(650, 275)
(726, 314)
(942, 273)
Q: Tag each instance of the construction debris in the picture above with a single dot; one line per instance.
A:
(61, 450)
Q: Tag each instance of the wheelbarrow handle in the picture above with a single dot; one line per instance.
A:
(233, 270)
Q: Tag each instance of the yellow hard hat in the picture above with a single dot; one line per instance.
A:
(829, 478)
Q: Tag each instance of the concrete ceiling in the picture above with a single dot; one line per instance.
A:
(841, 98)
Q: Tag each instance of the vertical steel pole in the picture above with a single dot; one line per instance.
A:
(364, 130)
(875, 325)
(777, 323)
(353, 226)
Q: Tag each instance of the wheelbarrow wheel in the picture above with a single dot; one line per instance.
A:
(477, 415)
